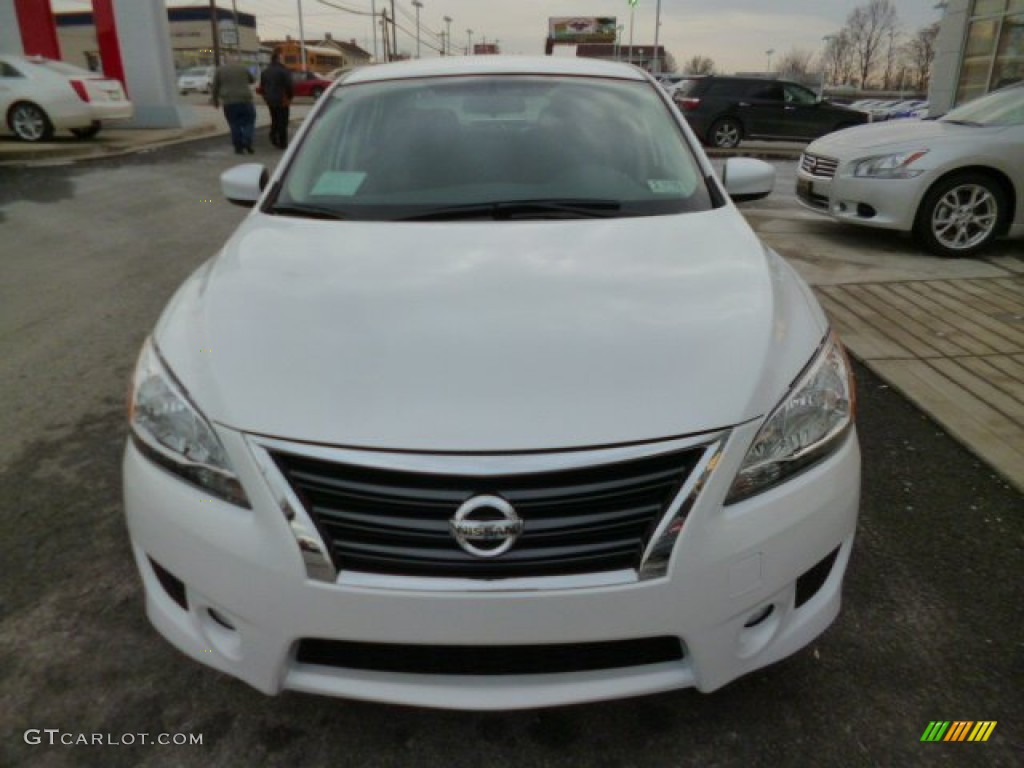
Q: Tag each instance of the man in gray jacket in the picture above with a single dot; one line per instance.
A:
(232, 87)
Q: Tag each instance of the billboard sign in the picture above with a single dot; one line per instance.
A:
(582, 29)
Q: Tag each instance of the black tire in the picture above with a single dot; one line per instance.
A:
(961, 215)
(725, 133)
(29, 122)
(87, 133)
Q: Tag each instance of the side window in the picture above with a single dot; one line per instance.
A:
(726, 90)
(767, 92)
(797, 95)
(6, 70)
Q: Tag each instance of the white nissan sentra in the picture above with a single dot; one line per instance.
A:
(493, 401)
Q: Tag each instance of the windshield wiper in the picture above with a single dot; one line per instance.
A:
(523, 209)
(305, 211)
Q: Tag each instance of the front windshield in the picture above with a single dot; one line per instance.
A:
(568, 146)
(1005, 107)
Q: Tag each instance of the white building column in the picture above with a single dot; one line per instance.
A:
(949, 47)
(10, 34)
(144, 36)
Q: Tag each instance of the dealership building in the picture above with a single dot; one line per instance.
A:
(980, 48)
(191, 36)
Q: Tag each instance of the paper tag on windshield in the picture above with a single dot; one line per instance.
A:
(338, 183)
(666, 187)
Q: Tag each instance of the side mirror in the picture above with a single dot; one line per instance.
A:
(747, 179)
(243, 184)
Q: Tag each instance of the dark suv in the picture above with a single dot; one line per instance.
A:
(724, 110)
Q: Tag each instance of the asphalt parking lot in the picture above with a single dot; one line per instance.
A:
(930, 628)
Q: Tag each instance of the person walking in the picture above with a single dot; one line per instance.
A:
(276, 85)
(231, 87)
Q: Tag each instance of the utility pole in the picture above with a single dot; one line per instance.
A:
(373, 27)
(448, 37)
(214, 33)
(384, 34)
(394, 31)
(469, 42)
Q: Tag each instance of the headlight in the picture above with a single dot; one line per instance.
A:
(170, 430)
(894, 166)
(804, 428)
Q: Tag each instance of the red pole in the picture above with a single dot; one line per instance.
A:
(38, 28)
(106, 37)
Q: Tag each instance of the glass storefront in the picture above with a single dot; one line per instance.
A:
(994, 49)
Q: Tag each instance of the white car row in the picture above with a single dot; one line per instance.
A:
(40, 96)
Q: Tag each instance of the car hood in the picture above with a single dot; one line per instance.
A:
(489, 336)
(897, 135)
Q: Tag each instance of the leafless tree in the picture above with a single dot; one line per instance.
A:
(668, 63)
(837, 59)
(920, 52)
(796, 64)
(868, 28)
(699, 65)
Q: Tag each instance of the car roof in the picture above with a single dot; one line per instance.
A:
(496, 65)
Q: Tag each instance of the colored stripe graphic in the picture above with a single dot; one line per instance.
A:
(959, 730)
(982, 730)
(935, 731)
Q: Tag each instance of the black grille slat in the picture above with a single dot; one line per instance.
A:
(582, 520)
(489, 660)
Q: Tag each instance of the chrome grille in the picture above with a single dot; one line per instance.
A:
(592, 519)
(818, 166)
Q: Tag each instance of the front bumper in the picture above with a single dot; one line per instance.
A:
(239, 597)
(880, 203)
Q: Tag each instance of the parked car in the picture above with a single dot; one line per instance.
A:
(957, 182)
(40, 96)
(723, 111)
(310, 84)
(198, 79)
(494, 400)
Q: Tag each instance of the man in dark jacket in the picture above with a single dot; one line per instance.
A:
(276, 85)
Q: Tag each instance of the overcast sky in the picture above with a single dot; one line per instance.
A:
(735, 33)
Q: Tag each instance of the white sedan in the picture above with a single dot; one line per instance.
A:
(39, 96)
(957, 182)
(198, 79)
(493, 401)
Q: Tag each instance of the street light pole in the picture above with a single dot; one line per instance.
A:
(417, 5)
(469, 44)
(632, 7)
(657, 28)
(769, 53)
(302, 37)
(824, 63)
(448, 37)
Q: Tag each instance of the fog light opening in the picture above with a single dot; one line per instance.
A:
(759, 615)
(221, 619)
(865, 211)
(173, 587)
